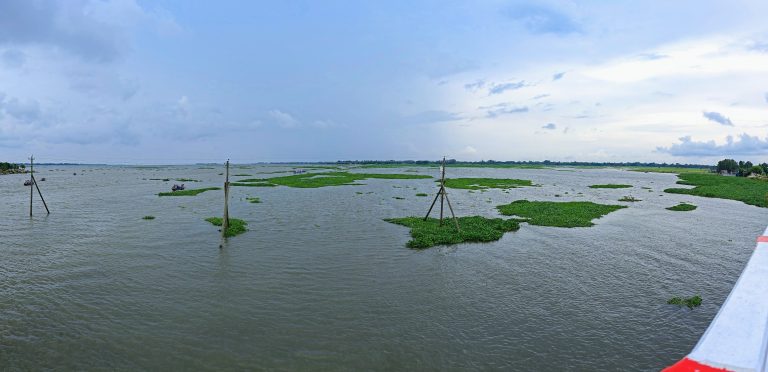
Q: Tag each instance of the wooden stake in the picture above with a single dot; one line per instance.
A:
(442, 190)
(31, 174)
(225, 221)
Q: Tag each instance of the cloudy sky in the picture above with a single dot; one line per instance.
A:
(126, 81)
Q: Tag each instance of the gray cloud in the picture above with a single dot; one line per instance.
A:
(540, 96)
(550, 126)
(27, 112)
(558, 76)
(475, 86)
(95, 31)
(745, 145)
(503, 109)
(13, 58)
(717, 118)
(501, 88)
(766, 97)
(541, 20)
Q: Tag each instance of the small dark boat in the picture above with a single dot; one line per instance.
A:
(177, 187)
(28, 183)
(42, 179)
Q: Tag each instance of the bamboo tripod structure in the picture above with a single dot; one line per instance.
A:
(225, 220)
(443, 195)
(34, 183)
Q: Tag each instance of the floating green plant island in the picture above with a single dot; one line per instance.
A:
(186, 180)
(253, 184)
(253, 200)
(148, 218)
(236, 226)
(610, 186)
(668, 170)
(748, 190)
(485, 183)
(314, 180)
(691, 302)
(190, 192)
(558, 214)
(425, 234)
(630, 199)
(682, 207)
(422, 194)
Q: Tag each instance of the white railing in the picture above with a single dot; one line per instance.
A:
(737, 339)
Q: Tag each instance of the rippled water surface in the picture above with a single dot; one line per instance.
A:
(321, 282)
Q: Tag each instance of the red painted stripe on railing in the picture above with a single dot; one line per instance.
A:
(690, 365)
(762, 239)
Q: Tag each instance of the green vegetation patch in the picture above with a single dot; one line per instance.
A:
(236, 226)
(190, 192)
(313, 180)
(253, 184)
(186, 180)
(148, 218)
(677, 170)
(682, 207)
(609, 186)
(425, 234)
(243, 175)
(691, 302)
(629, 199)
(747, 190)
(253, 200)
(558, 214)
(422, 194)
(485, 183)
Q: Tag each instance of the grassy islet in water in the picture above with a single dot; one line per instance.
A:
(609, 186)
(557, 214)
(236, 226)
(190, 192)
(485, 183)
(682, 207)
(425, 234)
(691, 302)
(748, 190)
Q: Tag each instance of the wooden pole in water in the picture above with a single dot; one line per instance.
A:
(31, 174)
(225, 221)
(34, 182)
(442, 190)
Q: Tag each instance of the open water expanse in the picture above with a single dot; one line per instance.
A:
(320, 282)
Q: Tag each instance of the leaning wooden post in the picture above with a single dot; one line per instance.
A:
(31, 174)
(225, 221)
(34, 182)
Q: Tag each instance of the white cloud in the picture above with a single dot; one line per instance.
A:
(283, 119)
(468, 150)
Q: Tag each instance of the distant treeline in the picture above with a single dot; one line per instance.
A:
(528, 163)
(741, 168)
(6, 167)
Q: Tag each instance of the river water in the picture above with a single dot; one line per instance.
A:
(320, 282)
